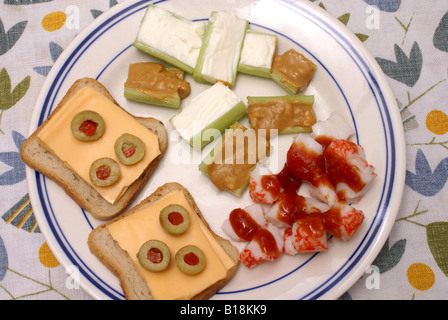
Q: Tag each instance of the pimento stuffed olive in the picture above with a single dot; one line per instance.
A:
(87, 126)
(174, 219)
(129, 149)
(154, 255)
(104, 172)
(190, 260)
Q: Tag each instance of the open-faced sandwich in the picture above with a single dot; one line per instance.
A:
(96, 151)
(164, 249)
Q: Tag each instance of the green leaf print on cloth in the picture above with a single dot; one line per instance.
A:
(437, 235)
(9, 98)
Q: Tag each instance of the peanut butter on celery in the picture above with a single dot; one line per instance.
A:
(281, 114)
(294, 69)
(156, 81)
(238, 154)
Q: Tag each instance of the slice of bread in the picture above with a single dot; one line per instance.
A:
(40, 159)
(108, 251)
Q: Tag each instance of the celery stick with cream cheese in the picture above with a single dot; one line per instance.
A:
(208, 114)
(170, 37)
(257, 54)
(221, 48)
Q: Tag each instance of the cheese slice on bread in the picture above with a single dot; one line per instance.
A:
(117, 242)
(54, 152)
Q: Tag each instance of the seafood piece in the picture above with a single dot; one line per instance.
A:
(348, 169)
(342, 220)
(335, 127)
(264, 187)
(266, 245)
(306, 161)
(243, 223)
(291, 207)
(324, 192)
(307, 234)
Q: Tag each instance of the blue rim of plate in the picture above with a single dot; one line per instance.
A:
(363, 66)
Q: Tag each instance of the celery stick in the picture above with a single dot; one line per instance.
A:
(170, 37)
(257, 54)
(279, 79)
(306, 99)
(221, 49)
(136, 95)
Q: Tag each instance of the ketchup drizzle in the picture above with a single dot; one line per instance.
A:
(248, 229)
(303, 164)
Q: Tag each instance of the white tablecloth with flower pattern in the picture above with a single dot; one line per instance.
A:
(409, 39)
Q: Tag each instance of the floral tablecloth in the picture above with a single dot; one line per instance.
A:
(409, 40)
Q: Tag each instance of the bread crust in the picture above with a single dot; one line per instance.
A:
(38, 158)
(108, 251)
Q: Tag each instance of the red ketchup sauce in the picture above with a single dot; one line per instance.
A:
(306, 164)
(271, 184)
(339, 170)
(243, 224)
(303, 164)
(248, 229)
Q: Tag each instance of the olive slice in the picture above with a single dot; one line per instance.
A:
(87, 126)
(104, 172)
(174, 219)
(154, 255)
(129, 149)
(190, 260)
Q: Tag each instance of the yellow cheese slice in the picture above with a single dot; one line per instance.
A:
(77, 155)
(132, 231)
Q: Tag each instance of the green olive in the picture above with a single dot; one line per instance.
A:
(190, 260)
(104, 172)
(154, 255)
(129, 149)
(87, 125)
(174, 219)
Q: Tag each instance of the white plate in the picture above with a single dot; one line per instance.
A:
(347, 80)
